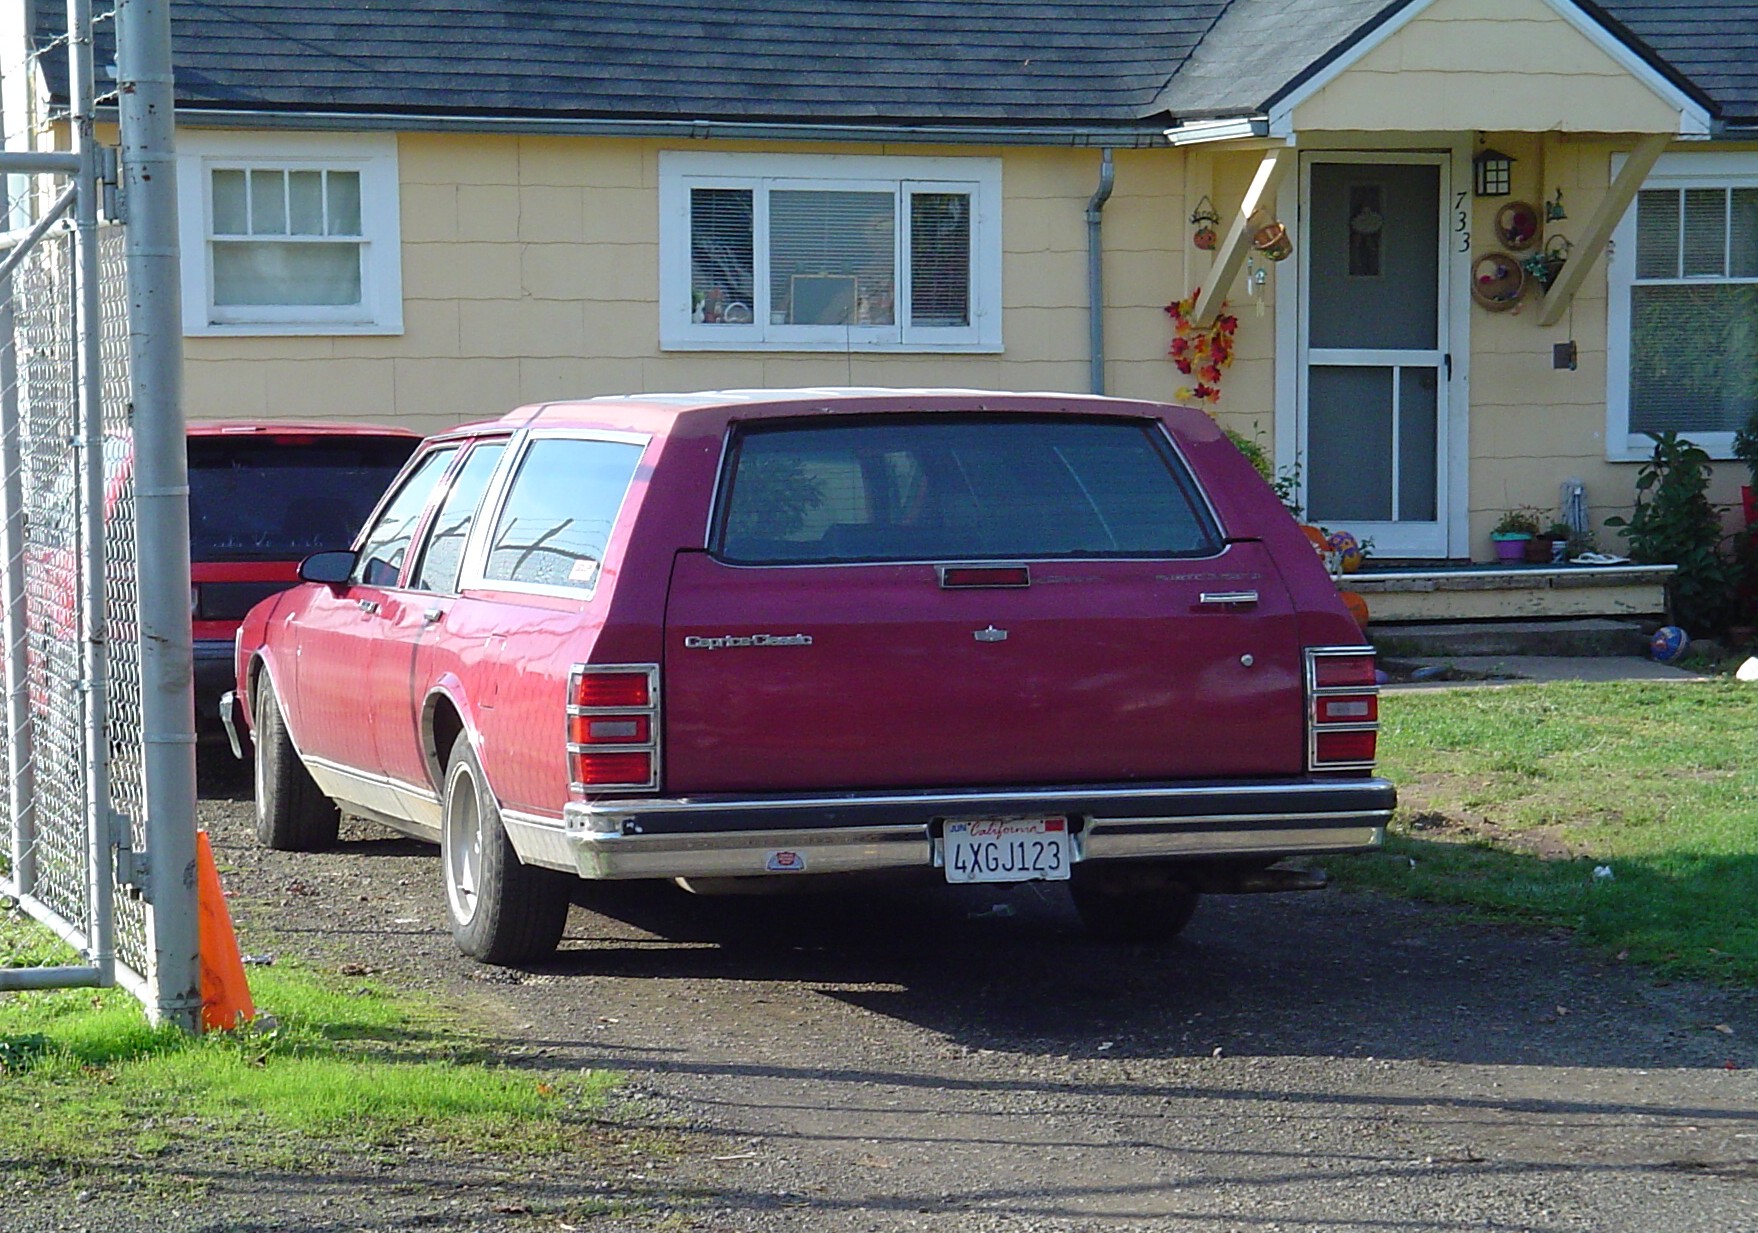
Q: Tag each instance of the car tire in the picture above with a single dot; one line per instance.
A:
(501, 910)
(1131, 901)
(292, 813)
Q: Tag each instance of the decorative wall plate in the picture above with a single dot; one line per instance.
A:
(1517, 225)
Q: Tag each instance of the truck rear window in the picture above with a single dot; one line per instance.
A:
(909, 488)
(283, 497)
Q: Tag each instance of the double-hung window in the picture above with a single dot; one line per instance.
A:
(824, 252)
(1684, 305)
(289, 233)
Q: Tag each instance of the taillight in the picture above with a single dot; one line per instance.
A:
(1343, 708)
(613, 727)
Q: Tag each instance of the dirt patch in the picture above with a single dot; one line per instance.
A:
(1549, 843)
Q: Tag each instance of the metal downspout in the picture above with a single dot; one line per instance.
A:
(1096, 270)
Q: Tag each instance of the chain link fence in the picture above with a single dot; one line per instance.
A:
(51, 849)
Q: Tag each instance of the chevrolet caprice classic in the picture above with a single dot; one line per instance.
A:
(731, 637)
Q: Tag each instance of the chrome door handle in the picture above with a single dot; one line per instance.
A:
(368, 606)
(1227, 598)
(433, 614)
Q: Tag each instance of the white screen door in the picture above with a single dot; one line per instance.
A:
(1373, 370)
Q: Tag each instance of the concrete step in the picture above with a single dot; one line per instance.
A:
(1583, 637)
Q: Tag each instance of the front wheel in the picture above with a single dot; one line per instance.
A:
(501, 909)
(292, 813)
(1131, 901)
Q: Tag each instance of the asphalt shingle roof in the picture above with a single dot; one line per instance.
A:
(990, 62)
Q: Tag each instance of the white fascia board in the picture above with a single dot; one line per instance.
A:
(1230, 128)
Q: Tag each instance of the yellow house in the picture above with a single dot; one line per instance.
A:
(1471, 250)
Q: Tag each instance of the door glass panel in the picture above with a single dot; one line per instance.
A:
(1373, 254)
(1418, 413)
(382, 551)
(444, 553)
(1349, 445)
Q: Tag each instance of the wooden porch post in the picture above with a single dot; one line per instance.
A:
(1232, 251)
(1600, 227)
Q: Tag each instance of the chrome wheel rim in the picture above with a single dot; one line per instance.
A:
(463, 844)
(259, 772)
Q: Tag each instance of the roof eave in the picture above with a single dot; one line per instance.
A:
(1139, 134)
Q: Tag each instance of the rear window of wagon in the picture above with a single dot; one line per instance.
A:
(911, 488)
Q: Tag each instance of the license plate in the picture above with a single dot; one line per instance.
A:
(1007, 850)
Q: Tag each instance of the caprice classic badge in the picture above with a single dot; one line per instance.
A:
(720, 642)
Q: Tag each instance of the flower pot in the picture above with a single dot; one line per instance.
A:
(1510, 547)
(1538, 549)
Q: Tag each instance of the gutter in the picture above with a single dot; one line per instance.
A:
(1128, 137)
(1096, 270)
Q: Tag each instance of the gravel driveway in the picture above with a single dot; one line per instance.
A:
(970, 1061)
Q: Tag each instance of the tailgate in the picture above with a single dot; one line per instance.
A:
(972, 600)
(875, 676)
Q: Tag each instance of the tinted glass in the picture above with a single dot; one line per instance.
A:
(559, 512)
(275, 498)
(444, 553)
(386, 543)
(908, 488)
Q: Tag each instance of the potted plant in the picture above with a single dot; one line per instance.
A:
(1746, 450)
(1513, 532)
(1549, 545)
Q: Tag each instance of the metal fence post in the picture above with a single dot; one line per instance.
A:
(146, 99)
(88, 327)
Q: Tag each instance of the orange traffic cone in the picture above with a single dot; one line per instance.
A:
(225, 994)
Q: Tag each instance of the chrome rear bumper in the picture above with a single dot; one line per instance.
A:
(756, 836)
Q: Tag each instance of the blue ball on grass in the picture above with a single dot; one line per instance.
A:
(1668, 644)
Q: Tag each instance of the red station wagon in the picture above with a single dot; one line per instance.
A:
(790, 634)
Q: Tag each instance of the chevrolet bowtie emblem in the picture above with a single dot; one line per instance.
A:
(990, 635)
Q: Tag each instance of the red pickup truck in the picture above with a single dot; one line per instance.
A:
(795, 634)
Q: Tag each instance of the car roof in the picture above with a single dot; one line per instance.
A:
(313, 428)
(657, 412)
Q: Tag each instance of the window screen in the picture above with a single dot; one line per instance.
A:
(908, 488)
(289, 237)
(1693, 344)
(560, 511)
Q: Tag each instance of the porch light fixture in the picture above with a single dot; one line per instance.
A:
(1492, 173)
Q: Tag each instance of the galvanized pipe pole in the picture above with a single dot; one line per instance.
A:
(146, 102)
(88, 343)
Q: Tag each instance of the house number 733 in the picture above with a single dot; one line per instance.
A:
(1462, 223)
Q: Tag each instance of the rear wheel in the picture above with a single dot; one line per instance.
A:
(501, 909)
(292, 813)
(1131, 901)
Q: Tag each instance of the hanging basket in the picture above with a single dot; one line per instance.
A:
(1497, 281)
(1544, 267)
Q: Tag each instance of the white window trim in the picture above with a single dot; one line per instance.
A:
(373, 155)
(680, 171)
(1696, 169)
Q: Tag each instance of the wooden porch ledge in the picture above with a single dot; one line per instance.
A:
(1528, 592)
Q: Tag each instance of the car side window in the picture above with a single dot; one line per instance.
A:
(560, 510)
(437, 567)
(387, 541)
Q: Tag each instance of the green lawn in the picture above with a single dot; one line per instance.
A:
(1510, 800)
(335, 1062)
